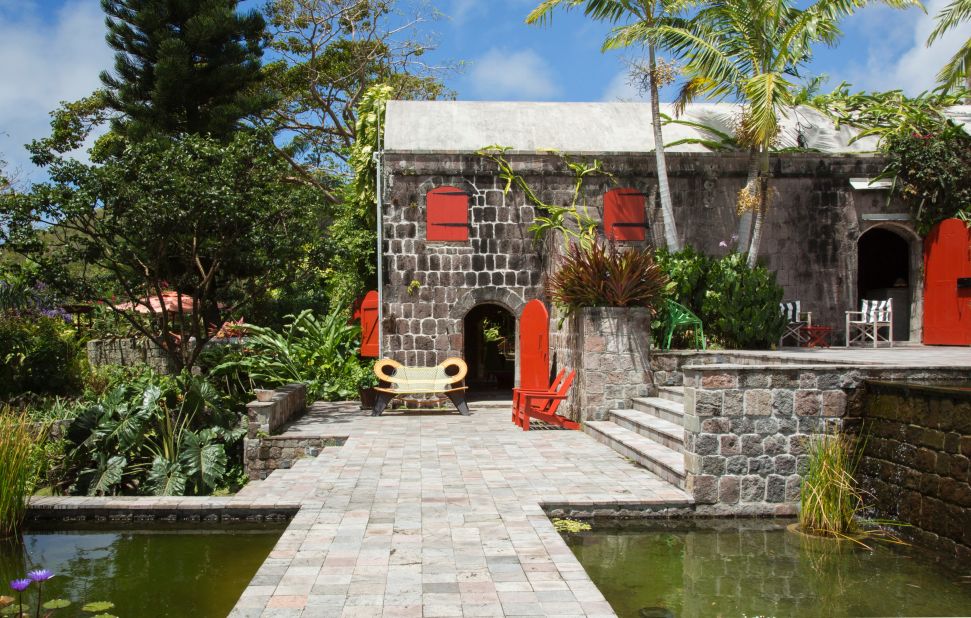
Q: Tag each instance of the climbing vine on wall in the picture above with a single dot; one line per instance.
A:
(572, 220)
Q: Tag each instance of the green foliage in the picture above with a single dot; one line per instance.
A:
(183, 66)
(38, 355)
(570, 526)
(18, 443)
(738, 305)
(603, 275)
(571, 221)
(219, 223)
(319, 352)
(933, 175)
(829, 497)
(959, 66)
(161, 435)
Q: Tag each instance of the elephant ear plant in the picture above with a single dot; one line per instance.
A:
(156, 434)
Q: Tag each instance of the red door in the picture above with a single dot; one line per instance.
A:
(947, 284)
(367, 313)
(534, 346)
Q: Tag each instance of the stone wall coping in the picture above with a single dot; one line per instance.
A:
(819, 367)
(161, 509)
(933, 390)
(626, 153)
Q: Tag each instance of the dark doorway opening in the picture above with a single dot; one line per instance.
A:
(490, 350)
(884, 262)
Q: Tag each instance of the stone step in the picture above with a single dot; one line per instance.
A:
(661, 431)
(657, 458)
(662, 408)
(671, 393)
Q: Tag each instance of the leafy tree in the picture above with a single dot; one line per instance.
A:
(330, 53)
(640, 16)
(958, 68)
(752, 50)
(183, 66)
(217, 223)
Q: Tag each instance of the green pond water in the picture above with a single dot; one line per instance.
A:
(157, 573)
(732, 568)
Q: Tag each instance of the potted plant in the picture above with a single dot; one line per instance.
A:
(366, 382)
(263, 394)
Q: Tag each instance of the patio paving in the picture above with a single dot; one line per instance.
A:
(435, 514)
(902, 354)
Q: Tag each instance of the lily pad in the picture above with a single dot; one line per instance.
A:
(97, 606)
(14, 610)
(56, 604)
(104, 616)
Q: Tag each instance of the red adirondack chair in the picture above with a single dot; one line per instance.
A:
(542, 406)
(517, 392)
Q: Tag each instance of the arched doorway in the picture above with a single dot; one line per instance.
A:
(490, 350)
(884, 273)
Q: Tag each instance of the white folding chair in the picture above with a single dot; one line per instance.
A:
(865, 325)
(795, 321)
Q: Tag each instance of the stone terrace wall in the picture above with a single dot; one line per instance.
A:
(128, 352)
(916, 462)
(747, 427)
(261, 453)
(609, 348)
(809, 240)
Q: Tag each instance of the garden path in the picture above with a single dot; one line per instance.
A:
(435, 514)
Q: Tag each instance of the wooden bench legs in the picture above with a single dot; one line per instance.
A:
(458, 400)
(381, 402)
(383, 399)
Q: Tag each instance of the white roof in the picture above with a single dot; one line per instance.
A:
(620, 127)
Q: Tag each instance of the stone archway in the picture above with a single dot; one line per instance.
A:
(501, 298)
(489, 349)
(889, 265)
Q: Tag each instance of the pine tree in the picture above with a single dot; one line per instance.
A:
(183, 66)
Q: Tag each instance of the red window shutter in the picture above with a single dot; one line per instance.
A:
(624, 217)
(448, 214)
(368, 314)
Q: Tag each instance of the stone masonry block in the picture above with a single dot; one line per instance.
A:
(806, 403)
(758, 402)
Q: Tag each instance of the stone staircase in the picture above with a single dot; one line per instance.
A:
(651, 433)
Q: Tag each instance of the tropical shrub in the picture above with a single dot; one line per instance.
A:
(152, 434)
(602, 275)
(38, 354)
(319, 352)
(18, 442)
(741, 304)
(738, 305)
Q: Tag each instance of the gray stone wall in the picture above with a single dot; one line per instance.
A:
(261, 453)
(810, 233)
(266, 417)
(916, 461)
(610, 350)
(266, 454)
(128, 352)
(747, 427)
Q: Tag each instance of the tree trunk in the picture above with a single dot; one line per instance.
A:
(745, 218)
(763, 203)
(667, 209)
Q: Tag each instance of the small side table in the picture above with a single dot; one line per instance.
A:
(817, 336)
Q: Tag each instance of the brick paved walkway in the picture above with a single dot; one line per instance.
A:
(439, 515)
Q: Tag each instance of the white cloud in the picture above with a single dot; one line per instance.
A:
(46, 60)
(512, 75)
(911, 66)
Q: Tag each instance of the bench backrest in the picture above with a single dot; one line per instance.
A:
(429, 379)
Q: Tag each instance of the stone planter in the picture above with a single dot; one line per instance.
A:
(610, 349)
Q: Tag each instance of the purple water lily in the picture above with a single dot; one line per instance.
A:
(20, 584)
(40, 575)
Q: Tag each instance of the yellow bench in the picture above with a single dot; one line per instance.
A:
(441, 379)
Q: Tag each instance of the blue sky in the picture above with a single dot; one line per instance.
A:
(53, 50)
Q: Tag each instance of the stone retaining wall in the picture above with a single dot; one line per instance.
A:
(264, 455)
(609, 347)
(747, 427)
(128, 352)
(156, 509)
(916, 462)
(265, 417)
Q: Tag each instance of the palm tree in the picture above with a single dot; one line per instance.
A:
(637, 14)
(959, 66)
(752, 50)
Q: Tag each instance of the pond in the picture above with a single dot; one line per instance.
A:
(159, 572)
(757, 568)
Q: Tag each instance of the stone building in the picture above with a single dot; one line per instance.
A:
(459, 256)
